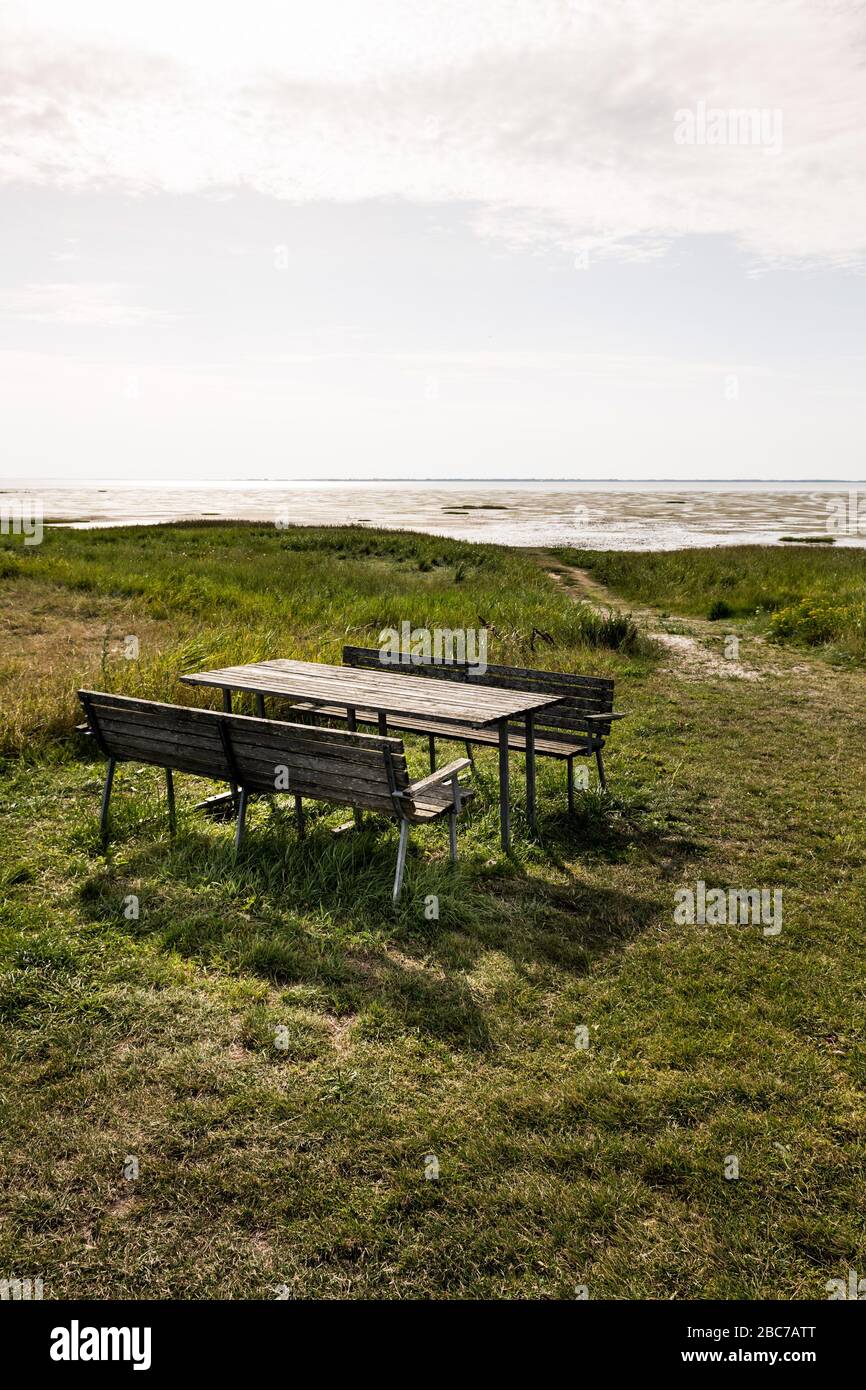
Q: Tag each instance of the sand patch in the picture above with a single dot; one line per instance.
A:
(692, 660)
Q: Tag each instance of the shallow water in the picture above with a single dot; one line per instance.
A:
(619, 516)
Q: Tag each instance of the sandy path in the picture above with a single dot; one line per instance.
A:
(690, 656)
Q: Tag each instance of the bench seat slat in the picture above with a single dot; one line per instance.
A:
(550, 747)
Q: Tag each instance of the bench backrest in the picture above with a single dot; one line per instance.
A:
(350, 769)
(581, 695)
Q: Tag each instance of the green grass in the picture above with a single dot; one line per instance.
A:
(212, 594)
(303, 1164)
(814, 598)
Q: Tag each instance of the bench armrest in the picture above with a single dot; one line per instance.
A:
(443, 775)
(612, 715)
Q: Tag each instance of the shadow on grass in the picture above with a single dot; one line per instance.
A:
(611, 827)
(314, 916)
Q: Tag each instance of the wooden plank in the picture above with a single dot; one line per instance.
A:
(158, 710)
(168, 739)
(252, 766)
(305, 743)
(264, 774)
(450, 701)
(130, 752)
(461, 670)
(342, 791)
(102, 698)
(143, 719)
(335, 768)
(326, 682)
(324, 754)
(205, 739)
(574, 740)
(266, 739)
(544, 720)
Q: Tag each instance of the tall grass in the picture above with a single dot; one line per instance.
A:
(227, 593)
(809, 596)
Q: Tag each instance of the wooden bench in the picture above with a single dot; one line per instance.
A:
(367, 772)
(578, 726)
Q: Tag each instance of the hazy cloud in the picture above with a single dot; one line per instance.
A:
(79, 304)
(553, 122)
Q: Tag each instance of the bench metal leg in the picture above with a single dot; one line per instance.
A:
(169, 796)
(468, 746)
(452, 816)
(242, 818)
(106, 797)
(530, 770)
(431, 743)
(570, 762)
(401, 858)
(601, 777)
(227, 709)
(504, 792)
(299, 815)
(260, 706)
(351, 725)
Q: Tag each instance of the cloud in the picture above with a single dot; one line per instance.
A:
(78, 304)
(552, 123)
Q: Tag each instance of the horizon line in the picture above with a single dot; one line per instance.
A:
(317, 482)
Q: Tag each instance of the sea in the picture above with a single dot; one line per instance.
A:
(604, 515)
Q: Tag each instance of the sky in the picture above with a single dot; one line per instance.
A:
(432, 239)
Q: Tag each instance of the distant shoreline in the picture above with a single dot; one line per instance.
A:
(643, 517)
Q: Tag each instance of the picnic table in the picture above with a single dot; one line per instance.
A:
(390, 693)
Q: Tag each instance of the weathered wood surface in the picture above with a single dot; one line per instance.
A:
(575, 699)
(385, 691)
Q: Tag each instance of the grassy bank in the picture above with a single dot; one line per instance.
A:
(809, 595)
(300, 1164)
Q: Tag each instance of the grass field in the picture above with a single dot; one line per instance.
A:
(301, 1166)
(212, 594)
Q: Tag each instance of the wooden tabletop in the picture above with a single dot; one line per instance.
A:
(387, 692)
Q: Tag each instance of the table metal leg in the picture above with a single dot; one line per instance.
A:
(530, 770)
(504, 803)
(383, 725)
(260, 706)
